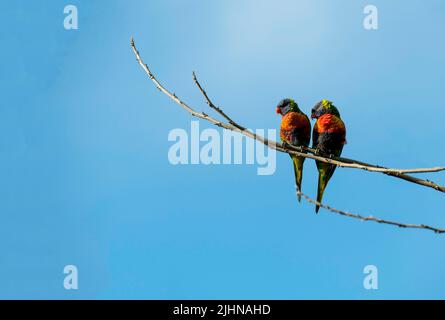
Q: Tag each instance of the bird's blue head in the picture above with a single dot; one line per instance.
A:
(287, 105)
(324, 107)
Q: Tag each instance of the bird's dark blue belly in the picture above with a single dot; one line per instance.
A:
(330, 142)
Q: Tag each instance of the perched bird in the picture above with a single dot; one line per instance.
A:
(329, 137)
(295, 130)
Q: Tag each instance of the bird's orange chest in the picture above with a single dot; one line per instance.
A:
(293, 120)
(329, 123)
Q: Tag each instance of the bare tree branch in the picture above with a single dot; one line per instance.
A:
(371, 218)
(301, 151)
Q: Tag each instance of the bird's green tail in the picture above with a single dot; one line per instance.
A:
(323, 179)
(298, 171)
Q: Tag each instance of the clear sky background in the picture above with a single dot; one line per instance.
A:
(85, 177)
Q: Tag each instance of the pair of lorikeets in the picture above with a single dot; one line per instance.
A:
(328, 136)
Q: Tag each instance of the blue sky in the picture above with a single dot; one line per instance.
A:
(85, 174)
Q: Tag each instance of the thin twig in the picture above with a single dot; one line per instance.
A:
(371, 218)
(211, 105)
(299, 151)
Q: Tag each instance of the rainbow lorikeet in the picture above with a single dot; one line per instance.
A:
(295, 130)
(329, 137)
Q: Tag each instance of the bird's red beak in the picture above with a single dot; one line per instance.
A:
(313, 116)
(278, 110)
